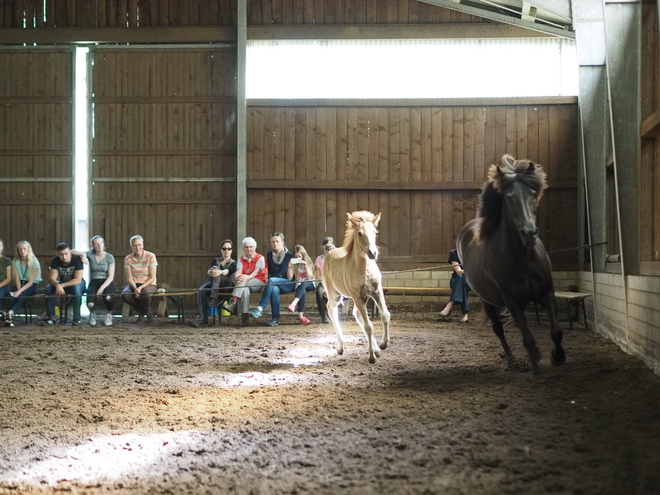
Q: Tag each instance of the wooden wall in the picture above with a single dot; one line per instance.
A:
(164, 154)
(650, 130)
(36, 149)
(143, 13)
(421, 165)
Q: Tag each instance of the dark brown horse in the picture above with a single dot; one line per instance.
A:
(504, 261)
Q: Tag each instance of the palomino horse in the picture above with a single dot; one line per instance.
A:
(504, 261)
(351, 271)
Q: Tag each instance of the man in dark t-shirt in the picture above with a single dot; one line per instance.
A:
(65, 276)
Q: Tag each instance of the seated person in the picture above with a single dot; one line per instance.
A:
(65, 276)
(328, 244)
(251, 274)
(301, 269)
(277, 260)
(26, 272)
(221, 274)
(5, 275)
(140, 267)
(102, 275)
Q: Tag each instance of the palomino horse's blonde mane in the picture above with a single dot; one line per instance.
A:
(352, 223)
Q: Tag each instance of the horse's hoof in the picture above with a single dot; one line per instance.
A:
(340, 350)
(557, 358)
(383, 345)
(372, 360)
(377, 354)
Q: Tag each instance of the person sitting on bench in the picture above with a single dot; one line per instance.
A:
(65, 276)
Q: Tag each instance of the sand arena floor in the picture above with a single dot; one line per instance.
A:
(168, 408)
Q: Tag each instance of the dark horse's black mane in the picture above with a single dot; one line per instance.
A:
(499, 180)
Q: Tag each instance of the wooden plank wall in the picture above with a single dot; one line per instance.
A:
(650, 170)
(164, 155)
(114, 13)
(36, 149)
(421, 166)
(136, 13)
(328, 12)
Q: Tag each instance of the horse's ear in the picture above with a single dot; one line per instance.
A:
(500, 174)
(377, 219)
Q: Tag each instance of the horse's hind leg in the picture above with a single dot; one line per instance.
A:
(362, 318)
(498, 328)
(333, 313)
(557, 355)
(379, 299)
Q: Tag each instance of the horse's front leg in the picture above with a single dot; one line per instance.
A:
(529, 341)
(379, 299)
(333, 313)
(362, 318)
(557, 355)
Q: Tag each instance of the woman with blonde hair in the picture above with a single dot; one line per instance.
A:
(301, 269)
(27, 275)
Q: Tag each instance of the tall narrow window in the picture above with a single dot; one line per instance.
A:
(81, 173)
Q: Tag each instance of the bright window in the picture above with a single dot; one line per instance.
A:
(411, 68)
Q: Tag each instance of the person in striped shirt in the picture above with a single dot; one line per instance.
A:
(140, 267)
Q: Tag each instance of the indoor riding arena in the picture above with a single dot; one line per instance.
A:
(191, 123)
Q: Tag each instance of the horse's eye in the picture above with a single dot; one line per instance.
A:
(360, 234)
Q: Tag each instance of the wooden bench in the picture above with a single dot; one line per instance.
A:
(165, 295)
(576, 299)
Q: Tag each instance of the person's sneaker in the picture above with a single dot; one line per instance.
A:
(274, 322)
(108, 320)
(505, 312)
(200, 322)
(257, 312)
(49, 321)
(325, 319)
(304, 320)
(9, 322)
(92, 319)
(76, 322)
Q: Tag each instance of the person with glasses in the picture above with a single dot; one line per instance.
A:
(251, 274)
(277, 260)
(328, 244)
(220, 274)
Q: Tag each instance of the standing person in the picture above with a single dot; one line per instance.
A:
(459, 288)
(65, 276)
(277, 260)
(140, 267)
(102, 276)
(5, 275)
(26, 271)
(220, 274)
(328, 244)
(251, 274)
(301, 269)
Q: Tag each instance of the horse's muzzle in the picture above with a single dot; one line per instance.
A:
(372, 253)
(528, 237)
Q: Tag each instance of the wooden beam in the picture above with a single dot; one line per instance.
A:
(392, 31)
(650, 127)
(372, 185)
(414, 102)
(217, 34)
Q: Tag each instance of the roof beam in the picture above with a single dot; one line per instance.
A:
(494, 16)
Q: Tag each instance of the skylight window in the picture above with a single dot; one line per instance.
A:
(411, 68)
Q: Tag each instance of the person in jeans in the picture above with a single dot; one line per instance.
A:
(5, 275)
(301, 269)
(102, 274)
(65, 276)
(277, 260)
(141, 267)
(459, 288)
(26, 271)
(221, 274)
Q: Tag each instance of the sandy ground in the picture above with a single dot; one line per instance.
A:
(168, 408)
